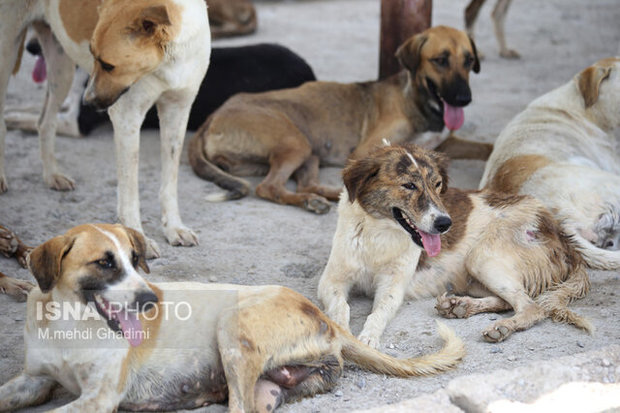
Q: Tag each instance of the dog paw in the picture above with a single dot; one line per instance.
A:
(370, 339)
(318, 205)
(181, 236)
(510, 54)
(452, 306)
(17, 289)
(152, 249)
(8, 242)
(60, 182)
(496, 333)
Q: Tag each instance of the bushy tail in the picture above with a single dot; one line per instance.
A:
(236, 187)
(373, 360)
(555, 301)
(595, 257)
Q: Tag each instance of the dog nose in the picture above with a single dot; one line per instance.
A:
(462, 99)
(145, 300)
(442, 223)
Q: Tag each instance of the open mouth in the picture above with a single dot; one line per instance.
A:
(431, 243)
(120, 319)
(453, 116)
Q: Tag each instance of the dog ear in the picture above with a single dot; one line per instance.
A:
(357, 173)
(408, 54)
(45, 261)
(476, 67)
(150, 19)
(589, 82)
(442, 161)
(139, 245)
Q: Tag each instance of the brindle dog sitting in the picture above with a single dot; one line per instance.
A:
(291, 132)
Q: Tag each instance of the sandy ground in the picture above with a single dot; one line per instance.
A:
(256, 242)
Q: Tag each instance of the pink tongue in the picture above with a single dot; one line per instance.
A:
(432, 243)
(131, 326)
(39, 73)
(453, 116)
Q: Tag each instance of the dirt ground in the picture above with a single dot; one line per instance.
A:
(252, 241)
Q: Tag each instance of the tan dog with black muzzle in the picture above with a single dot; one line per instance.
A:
(139, 53)
(291, 132)
(220, 342)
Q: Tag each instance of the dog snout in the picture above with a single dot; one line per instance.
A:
(442, 223)
(457, 93)
(145, 300)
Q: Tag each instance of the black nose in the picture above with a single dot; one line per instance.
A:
(145, 300)
(462, 99)
(442, 223)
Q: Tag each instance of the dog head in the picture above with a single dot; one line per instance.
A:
(97, 264)
(403, 183)
(599, 86)
(439, 61)
(231, 17)
(129, 41)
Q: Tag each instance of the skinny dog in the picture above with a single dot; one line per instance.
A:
(234, 344)
(393, 222)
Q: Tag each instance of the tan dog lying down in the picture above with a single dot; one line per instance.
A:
(221, 341)
(397, 214)
(291, 132)
(562, 150)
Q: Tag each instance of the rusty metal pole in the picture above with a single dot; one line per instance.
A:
(400, 19)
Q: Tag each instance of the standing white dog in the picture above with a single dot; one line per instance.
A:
(561, 150)
(139, 53)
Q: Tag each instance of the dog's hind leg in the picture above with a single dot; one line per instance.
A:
(307, 177)
(60, 74)
(24, 391)
(454, 306)
(499, 17)
(283, 162)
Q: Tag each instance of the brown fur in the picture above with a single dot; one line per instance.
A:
(513, 173)
(589, 80)
(11, 246)
(231, 17)
(79, 17)
(291, 132)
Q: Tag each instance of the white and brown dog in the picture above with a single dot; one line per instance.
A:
(139, 53)
(562, 150)
(393, 221)
(142, 346)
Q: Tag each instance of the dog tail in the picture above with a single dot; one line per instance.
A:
(556, 299)
(236, 187)
(373, 360)
(595, 257)
(20, 53)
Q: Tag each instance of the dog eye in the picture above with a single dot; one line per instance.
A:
(438, 185)
(106, 66)
(441, 61)
(469, 61)
(410, 185)
(134, 259)
(106, 263)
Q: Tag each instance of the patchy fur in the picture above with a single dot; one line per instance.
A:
(506, 249)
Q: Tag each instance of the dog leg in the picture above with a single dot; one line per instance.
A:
(465, 306)
(388, 299)
(24, 391)
(283, 162)
(11, 246)
(499, 17)
(471, 15)
(173, 114)
(126, 116)
(333, 295)
(60, 74)
(307, 177)
(17, 289)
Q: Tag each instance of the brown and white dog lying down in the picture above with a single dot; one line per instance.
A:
(402, 233)
(229, 18)
(499, 17)
(178, 345)
(291, 132)
(562, 150)
(11, 246)
(139, 53)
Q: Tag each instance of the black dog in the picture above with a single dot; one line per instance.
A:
(255, 68)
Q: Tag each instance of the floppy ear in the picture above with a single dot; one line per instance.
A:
(476, 67)
(408, 54)
(45, 261)
(589, 82)
(442, 161)
(139, 244)
(150, 19)
(357, 173)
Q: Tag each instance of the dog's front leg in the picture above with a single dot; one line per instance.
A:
(388, 299)
(25, 390)
(173, 111)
